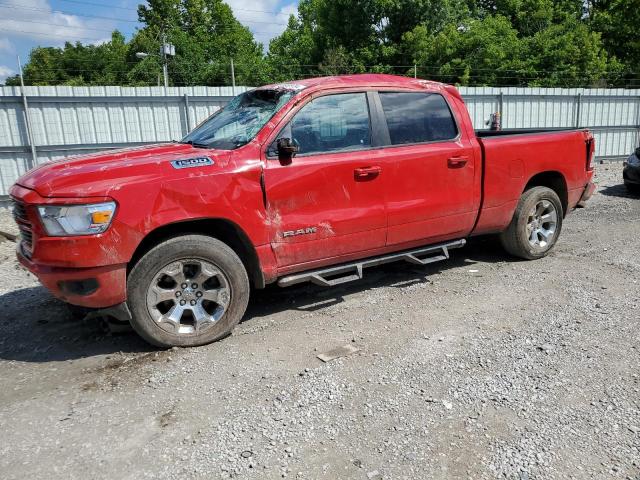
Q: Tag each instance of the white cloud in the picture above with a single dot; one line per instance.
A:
(5, 72)
(6, 46)
(265, 18)
(35, 19)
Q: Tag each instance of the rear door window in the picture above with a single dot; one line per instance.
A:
(331, 123)
(416, 117)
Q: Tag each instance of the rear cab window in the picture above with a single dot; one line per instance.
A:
(418, 117)
(330, 123)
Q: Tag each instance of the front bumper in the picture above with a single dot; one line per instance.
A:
(97, 287)
(88, 271)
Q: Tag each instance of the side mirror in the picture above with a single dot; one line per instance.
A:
(287, 149)
(638, 152)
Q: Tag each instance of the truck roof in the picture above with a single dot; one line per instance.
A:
(361, 80)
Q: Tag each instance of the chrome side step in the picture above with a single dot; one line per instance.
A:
(350, 272)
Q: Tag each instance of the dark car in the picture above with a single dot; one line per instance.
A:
(631, 172)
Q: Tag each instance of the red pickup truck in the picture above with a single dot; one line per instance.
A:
(312, 180)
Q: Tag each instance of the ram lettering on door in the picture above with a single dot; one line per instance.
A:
(302, 231)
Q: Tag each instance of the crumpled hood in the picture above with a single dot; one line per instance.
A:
(97, 174)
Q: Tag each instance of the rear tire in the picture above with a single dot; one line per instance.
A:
(536, 224)
(187, 291)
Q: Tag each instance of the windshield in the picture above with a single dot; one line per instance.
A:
(240, 121)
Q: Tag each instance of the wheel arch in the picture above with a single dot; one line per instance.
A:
(556, 182)
(221, 229)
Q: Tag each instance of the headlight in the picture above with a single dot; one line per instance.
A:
(70, 220)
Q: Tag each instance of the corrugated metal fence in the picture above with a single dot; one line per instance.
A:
(66, 121)
(613, 115)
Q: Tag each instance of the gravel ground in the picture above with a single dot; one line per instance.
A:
(482, 367)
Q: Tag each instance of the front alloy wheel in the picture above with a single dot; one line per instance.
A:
(187, 291)
(188, 296)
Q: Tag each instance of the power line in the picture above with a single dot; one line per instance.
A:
(315, 73)
(260, 11)
(93, 4)
(44, 34)
(81, 2)
(100, 17)
(18, 7)
(92, 29)
(432, 68)
(74, 38)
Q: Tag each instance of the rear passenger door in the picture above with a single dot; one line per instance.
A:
(328, 202)
(431, 195)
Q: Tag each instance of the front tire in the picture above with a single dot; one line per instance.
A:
(188, 291)
(536, 224)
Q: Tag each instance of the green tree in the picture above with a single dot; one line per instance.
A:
(618, 21)
(484, 42)
(347, 36)
(292, 52)
(206, 36)
(526, 16)
(470, 42)
(480, 52)
(77, 64)
(328, 36)
(570, 54)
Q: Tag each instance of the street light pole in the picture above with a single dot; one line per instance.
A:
(233, 76)
(166, 50)
(165, 67)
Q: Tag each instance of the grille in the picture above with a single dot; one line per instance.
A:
(24, 224)
(20, 212)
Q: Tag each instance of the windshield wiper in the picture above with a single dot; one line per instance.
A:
(196, 144)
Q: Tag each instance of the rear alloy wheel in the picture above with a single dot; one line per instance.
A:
(536, 224)
(187, 291)
(542, 224)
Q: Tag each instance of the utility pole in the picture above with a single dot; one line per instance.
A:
(166, 50)
(233, 77)
(165, 67)
(27, 118)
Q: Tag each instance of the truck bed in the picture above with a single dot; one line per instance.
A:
(510, 163)
(520, 131)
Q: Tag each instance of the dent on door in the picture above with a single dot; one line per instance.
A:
(327, 201)
(296, 218)
(318, 209)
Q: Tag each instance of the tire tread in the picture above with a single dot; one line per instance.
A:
(512, 239)
(211, 248)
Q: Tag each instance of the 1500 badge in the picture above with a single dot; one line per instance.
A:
(192, 162)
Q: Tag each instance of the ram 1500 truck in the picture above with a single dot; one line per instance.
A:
(312, 180)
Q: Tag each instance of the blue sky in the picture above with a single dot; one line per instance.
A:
(25, 24)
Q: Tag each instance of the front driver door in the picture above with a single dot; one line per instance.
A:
(328, 202)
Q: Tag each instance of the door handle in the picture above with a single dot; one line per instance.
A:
(364, 173)
(457, 162)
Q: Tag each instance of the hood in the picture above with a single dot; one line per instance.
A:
(97, 174)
